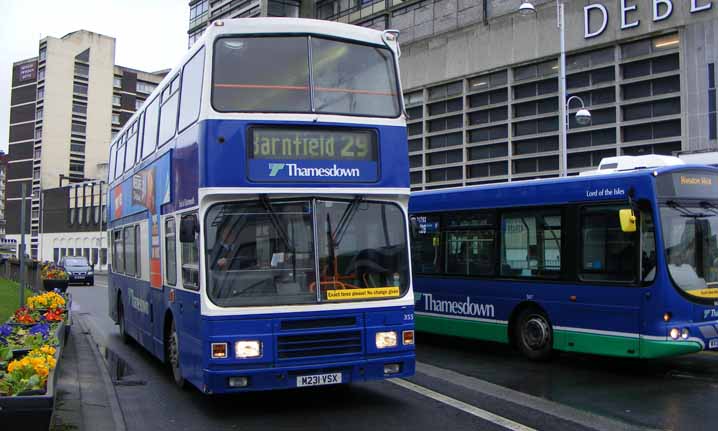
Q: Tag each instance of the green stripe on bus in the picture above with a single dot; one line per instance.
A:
(569, 341)
(463, 328)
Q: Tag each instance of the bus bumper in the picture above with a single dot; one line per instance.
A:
(218, 381)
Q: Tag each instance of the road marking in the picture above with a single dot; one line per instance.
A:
(467, 408)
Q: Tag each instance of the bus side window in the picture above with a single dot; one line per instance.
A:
(607, 253)
(426, 244)
(170, 252)
(191, 90)
(118, 265)
(531, 244)
(190, 262)
(168, 111)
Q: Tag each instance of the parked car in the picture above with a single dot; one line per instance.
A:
(78, 269)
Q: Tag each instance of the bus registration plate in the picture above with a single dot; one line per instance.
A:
(319, 379)
(713, 344)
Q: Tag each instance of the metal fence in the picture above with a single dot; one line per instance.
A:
(10, 269)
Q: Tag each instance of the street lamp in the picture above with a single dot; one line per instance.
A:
(583, 116)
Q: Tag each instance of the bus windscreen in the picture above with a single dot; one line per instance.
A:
(274, 74)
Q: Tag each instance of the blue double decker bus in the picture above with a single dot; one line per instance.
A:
(258, 210)
(622, 264)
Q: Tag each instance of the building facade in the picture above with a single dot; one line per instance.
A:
(481, 83)
(3, 183)
(66, 103)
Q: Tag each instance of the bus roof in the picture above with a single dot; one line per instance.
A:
(543, 191)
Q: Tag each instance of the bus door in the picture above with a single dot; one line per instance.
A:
(190, 338)
(612, 265)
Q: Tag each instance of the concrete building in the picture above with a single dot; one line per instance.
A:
(481, 81)
(202, 12)
(66, 103)
(3, 183)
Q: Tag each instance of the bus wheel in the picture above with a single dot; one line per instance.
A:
(173, 356)
(534, 335)
(121, 318)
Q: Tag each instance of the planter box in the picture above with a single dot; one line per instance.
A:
(50, 285)
(33, 410)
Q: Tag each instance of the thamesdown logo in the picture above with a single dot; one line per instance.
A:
(462, 308)
(296, 171)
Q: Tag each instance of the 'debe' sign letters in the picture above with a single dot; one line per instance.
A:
(662, 10)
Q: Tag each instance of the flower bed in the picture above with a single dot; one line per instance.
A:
(53, 277)
(31, 344)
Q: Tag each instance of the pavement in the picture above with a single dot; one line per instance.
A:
(86, 397)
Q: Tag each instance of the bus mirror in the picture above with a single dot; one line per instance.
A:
(188, 228)
(628, 220)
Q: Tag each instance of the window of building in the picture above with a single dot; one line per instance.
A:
(487, 170)
(489, 116)
(198, 13)
(446, 90)
(640, 132)
(115, 118)
(191, 90)
(116, 100)
(531, 244)
(441, 141)
(78, 127)
(170, 252)
(80, 89)
(41, 74)
(168, 111)
(82, 70)
(593, 138)
(488, 151)
(79, 108)
(117, 82)
(524, 166)
(138, 104)
(492, 80)
(607, 253)
(489, 133)
(446, 123)
(414, 98)
(41, 93)
(538, 145)
(415, 145)
(38, 114)
(145, 87)
(447, 174)
(444, 157)
(446, 106)
(415, 128)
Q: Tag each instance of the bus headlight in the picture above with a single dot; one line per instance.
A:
(247, 349)
(385, 339)
(675, 333)
(685, 333)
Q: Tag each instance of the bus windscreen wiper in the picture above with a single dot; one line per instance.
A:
(685, 212)
(276, 222)
(709, 206)
(344, 221)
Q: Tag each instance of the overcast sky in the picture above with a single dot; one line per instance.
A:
(150, 34)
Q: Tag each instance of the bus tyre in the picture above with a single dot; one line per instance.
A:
(173, 356)
(534, 335)
(121, 320)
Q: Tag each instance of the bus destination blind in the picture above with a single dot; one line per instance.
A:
(312, 155)
(689, 184)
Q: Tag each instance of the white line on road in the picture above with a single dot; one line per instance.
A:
(467, 408)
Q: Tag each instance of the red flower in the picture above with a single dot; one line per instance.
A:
(22, 315)
(54, 315)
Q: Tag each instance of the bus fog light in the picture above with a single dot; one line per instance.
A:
(392, 368)
(408, 337)
(219, 350)
(675, 333)
(247, 349)
(238, 382)
(385, 339)
(685, 333)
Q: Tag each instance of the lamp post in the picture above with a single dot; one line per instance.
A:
(583, 116)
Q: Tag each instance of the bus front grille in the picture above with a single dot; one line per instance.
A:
(322, 344)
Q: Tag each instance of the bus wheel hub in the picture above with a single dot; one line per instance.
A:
(536, 332)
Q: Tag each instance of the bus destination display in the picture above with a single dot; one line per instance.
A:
(312, 154)
(689, 184)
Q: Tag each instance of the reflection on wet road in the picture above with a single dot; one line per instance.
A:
(450, 391)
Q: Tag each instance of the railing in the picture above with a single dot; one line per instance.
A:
(10, 269)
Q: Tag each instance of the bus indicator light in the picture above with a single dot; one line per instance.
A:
(219, 350)
(408, 337)
(685, 333)
(667, 316)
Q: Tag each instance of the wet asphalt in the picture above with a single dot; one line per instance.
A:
(478, 385)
